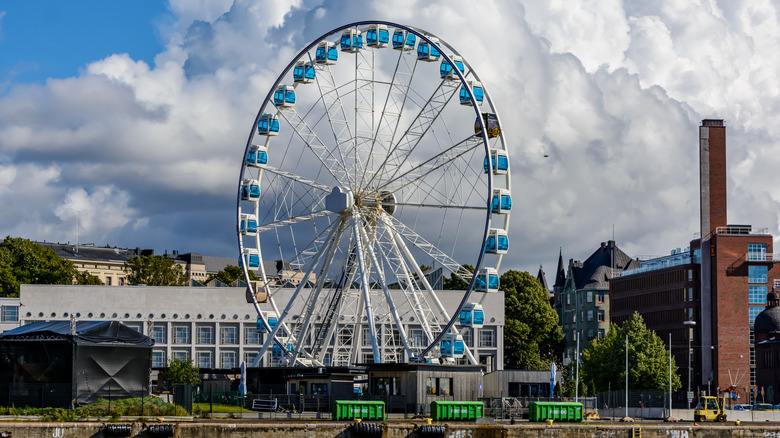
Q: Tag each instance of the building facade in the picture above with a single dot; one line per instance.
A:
(767, 334)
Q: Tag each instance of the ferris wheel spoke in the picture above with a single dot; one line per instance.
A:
(297, 178)
(293, 220)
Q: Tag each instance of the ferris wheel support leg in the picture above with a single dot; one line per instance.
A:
(283, 315)
(365, 286)
(393, 309)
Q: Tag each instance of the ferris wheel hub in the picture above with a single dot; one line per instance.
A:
(340, 200)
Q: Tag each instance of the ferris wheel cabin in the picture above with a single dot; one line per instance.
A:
(351, 40)
(251, 258)
(268, 124)
(257, 289)
(377, 35)
(326, 53)
(472, 315)
(272, 321)
(284, 96)
(487, 280)
(491, 123)
(497, 241)
(447, 72)
(303, 72)
(248, 224)
(499, 160)
(502, 201)
(428, 52)
(250, 190)
(257, 156)
(452, 346)
(476, 90)
(403, 40)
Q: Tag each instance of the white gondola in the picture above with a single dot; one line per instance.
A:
(268, 124)
(499, 160)
(284, 95)
(257, 156)
(476, 89)
(351, 40)
(447, 72)
(487, 280)
(250, 190)
(428, 52)
(403, 40)
(452, 346)
(248, 224)
(472, 315)
(502, 201)
(497, 241)
(377, 35)
(326, 53)
(303, 72)
(251, 258)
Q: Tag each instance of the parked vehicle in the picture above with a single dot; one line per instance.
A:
(713, 408)
(741, 408)
(763, 407)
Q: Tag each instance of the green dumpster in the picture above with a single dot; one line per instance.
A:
(457, 410)
(354, 409)
(556, 411)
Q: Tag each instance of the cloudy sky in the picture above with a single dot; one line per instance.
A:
(132, 116)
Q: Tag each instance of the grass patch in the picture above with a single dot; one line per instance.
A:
(218, 408)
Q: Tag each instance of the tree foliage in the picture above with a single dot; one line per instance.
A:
(454, 282)
(181, 371)
(85, 278)
(648, 359)
(26, 262)
(230, 274)
(154, 270)
(532, 336)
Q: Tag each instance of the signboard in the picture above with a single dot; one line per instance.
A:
(690, 395)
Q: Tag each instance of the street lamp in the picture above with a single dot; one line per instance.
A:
(690, 325)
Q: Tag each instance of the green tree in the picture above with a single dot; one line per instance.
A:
(532, 336)
(455, 282)
(181, 371)
(154, 270)
(26, 262)
(648, 359)
(85, 278)
(230, 274)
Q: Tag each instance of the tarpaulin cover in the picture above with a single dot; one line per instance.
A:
(102, 359)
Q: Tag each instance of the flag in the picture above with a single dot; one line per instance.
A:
(553, 378)
(242, 384)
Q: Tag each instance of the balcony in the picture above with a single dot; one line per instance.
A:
(762, 257)
(677, 259)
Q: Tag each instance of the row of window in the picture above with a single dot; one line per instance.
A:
(9, 314)
(204, 358)
(588, 296)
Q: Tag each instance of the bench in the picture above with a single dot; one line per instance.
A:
(264, 405)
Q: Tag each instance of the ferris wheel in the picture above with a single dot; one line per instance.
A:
(376, 166)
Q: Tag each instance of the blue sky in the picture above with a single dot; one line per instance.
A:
(132, 116)
(54, 39)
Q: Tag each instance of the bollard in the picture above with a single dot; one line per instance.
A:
(549, 422)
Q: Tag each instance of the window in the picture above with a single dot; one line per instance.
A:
(568, 299)
(690, 294)
(690, 274)
(181, 334)
(468, 338)
(600, 298)
(108, 281)
(396, 337)
(10, 314)
(319, 388)
(229, 335)
(757, 273)
(121, 281)
(756, 252)
(487, 338)
(228, 359)
(249, 357)
(438, 386)
(158, 359)
(589, 297)
(590, 335)
(602, 316)
(205, 359)
(601, 333)
(251, 335)
(417, 337)
(757, 294)
(205, 334)
(181, 354)
(590, 315)
(366, 335)
(159, 335)
(753, 311)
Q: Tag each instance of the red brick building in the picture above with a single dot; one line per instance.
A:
(712, 291)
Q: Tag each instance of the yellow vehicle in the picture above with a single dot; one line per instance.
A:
(713, 408)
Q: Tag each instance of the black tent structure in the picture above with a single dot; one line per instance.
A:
(63, 363)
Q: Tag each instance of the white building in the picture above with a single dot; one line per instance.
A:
(213, 326)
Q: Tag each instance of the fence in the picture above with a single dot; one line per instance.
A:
(509, 407)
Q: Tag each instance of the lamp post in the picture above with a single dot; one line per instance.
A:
(690, 325)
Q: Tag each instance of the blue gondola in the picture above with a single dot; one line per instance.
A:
(268, 124)
(502, 201)
(452, 346)
(476, 89)
(403, 40)
(250, 190)
(447, 72)
(326, 53)
(251, 258)
(500, 161)
(351, 40)
(377, 35)
(303, 72)
(472, 315)
(428, 52)
(497, 242)
(256, 156)
(487, 280)
(284, 95)
(272, 320)
(248, 224)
